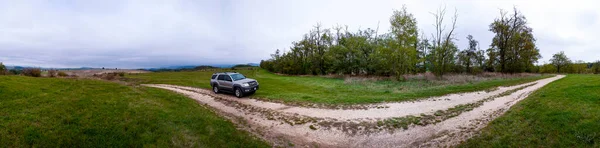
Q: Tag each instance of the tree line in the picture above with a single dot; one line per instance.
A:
(560, 63)
(404, 50)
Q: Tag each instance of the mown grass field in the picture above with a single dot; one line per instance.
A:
(314, 89)
(565, 113)
(55, 112)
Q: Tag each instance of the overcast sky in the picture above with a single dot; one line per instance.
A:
(155, 33)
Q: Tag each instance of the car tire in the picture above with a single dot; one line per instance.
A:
(215, 89)
(238, 92)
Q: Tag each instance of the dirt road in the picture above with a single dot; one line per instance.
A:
(432, 122)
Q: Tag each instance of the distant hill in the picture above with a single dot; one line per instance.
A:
(182, 68)
(168, 68)
(243, 65)
(23, 67)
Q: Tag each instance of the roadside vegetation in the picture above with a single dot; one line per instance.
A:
(61, 112)
(562, 114)
(351, 90)
(407, 50)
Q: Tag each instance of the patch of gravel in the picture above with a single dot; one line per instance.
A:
(434, 122)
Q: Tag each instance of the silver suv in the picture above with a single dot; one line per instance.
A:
(233, 82)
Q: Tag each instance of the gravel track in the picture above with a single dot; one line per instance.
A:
(302, 126)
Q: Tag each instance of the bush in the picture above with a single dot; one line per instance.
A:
(596, 67)
(121, 74)
(32, 72)
(3, 69)
(52, 73)
(62, 74)
(14, 72)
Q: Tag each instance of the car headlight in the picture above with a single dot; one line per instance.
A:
(245, 84)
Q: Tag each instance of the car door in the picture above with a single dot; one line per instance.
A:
(222, 82)
(225, 82)
(228, 82)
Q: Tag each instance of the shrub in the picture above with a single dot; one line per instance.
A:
(121, 74)
(62, 74)
(32, 72)
(14, 72)
(3, 69)
(596, 67)
(52, 73)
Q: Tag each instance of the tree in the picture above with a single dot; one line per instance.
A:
(492, 62)
(547, 68)
(480, 60)
(422, 54)
(560, 60)
(596, 67)
(403, 48)
(513, 46)
(351, 53)
(577, 67)
(444, 49)
(471, 56)
(3, 69)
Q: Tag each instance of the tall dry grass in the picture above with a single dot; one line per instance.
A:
(430, 77)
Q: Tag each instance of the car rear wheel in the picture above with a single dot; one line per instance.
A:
(238, 92)
(216, 89)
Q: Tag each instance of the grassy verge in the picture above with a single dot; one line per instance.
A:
(53, 112)
(312, 89)
(564, 113)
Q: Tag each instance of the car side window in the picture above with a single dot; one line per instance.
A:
(213, 77)
(227, 78)
(221, 77)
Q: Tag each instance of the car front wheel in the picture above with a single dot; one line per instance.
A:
(238, 92)
(216, 89)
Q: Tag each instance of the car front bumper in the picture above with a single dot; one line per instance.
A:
(250, 89)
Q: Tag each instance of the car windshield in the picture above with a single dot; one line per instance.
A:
(236, 77)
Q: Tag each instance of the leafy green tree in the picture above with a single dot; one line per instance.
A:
(513, 46)
(560, 60)
(492, 61)
(422, 54)
(547, 68)
(577, 67)
(596, 67)
(443, 58)
(403, 53)
(471, 56)
(480, 60)
(3, 70)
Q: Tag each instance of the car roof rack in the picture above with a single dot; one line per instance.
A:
(224, 73)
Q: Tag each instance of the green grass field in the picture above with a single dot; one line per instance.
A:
(314, 89)
(55, 112)
(565, 113)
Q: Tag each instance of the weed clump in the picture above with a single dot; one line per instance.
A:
(110, 76)
(62, 74)
(52, 73)
(32, 72)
